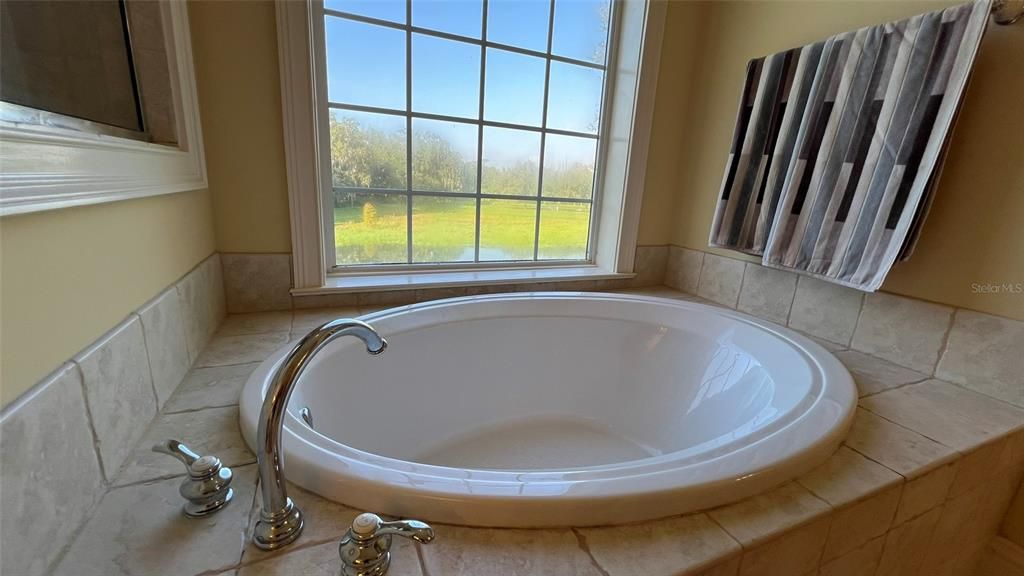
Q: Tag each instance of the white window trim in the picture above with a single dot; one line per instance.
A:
(48, 167)
(625, 141)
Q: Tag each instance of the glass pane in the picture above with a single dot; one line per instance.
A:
(370, 228)
(564, 228)
(511, 162)
(353, 79)
(443, 156)
(522, 23)
(367, 150)
(393, 10)
(443, 229)
(445, 77)
(506, 229)
(514, 90)
(581, 29)
(463, 17)
(574, 98)
(569, 166)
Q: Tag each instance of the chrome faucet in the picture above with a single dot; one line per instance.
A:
(280, 520)
(365, 549)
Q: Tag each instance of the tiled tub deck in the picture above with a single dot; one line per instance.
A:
(918, 488)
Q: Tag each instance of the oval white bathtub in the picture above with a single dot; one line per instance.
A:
(545, 409)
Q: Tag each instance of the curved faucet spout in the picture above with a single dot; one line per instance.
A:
(280, 520)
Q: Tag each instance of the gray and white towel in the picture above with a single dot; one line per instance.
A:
(838, 145)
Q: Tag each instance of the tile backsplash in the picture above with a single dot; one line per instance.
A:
(64, 441)
(920, 339)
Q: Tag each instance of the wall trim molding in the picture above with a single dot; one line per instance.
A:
(48, 168)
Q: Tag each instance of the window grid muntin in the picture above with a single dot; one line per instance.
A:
(409, 114)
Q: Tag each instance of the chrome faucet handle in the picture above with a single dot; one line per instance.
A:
(208, 486)
(365, 549)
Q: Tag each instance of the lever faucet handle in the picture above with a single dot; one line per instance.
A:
(207, 488)
(365, 549)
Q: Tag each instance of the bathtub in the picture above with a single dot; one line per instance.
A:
(555, 409)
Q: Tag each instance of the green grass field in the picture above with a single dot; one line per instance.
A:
(443, 230)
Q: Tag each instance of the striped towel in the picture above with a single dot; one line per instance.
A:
(838, 146)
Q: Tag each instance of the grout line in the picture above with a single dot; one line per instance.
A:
(92, 427)
(792, 301)
(581, 542)
(193, 410)
(860, 312)
(149, 365)
(743, 279)
(945, 341)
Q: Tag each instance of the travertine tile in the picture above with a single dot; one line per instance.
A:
(682, 271)
(729, 567)
(984, 354)
(796, 552)
(314, 301)
(322, 560)
(201, 293)
(874, 375)
(212, 387)
(856, 524)
(140, 529)
(650, 265)
(119, 391)
(324, 521)
(256, 323)
(385, 299)
(763, 517)
(720, 279)
(307, 319)
(925, 492)
(49, 472)
(440, 293)
(212, 431)
(767, 293)
(825, 310)
(459, 551)
(257, 282)
(677, 546)
(862, 561)
(656, 291)
(847, 477)
(164, 331)
(228, 350)
(895, 447)
(954, 416)
(907, 545)
(978, 466)
(903, 330)
(948, 538)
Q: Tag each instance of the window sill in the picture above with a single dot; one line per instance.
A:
(452, 278)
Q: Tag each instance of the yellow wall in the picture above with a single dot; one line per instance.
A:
(974, 232)
(68, 276)
(235, 50)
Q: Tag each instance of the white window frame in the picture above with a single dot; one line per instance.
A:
(47, 167)
(619, 179)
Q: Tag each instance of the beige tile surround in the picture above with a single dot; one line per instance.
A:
(66, 441)
(261, 283)
(895, 500)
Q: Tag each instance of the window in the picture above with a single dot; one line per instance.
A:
(462, 132)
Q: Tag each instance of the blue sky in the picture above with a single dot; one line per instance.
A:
(366, 66)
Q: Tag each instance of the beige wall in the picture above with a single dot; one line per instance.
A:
(235, 50)
(974, 232)
(68, 276)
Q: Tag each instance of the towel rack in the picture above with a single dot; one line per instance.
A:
(1002, 15)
